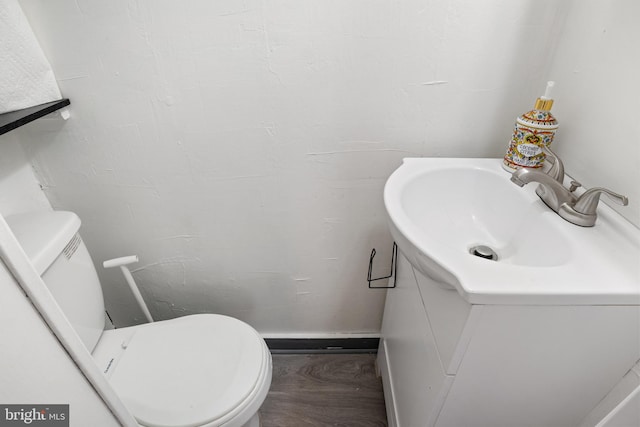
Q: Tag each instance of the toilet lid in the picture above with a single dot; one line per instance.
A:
(188, 371)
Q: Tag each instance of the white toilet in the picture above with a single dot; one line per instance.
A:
(199, 370)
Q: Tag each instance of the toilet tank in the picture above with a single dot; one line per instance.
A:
(52, 243)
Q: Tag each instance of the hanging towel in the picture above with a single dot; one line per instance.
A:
(26, 77)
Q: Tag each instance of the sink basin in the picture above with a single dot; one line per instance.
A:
(441, 209)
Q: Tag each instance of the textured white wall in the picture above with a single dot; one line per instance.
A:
(597, 67)
(240, 148)
(19, 187)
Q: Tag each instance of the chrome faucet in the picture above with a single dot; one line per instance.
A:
(577, 210)
(552, 192)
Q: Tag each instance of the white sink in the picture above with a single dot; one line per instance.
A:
(441, 208)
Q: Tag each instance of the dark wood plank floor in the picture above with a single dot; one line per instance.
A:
(324, 390)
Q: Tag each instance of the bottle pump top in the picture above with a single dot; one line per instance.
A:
(545, 102)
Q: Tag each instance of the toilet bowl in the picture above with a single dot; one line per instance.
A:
(199, 370)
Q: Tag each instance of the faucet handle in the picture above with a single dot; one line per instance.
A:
(587, 203)
(557, 169)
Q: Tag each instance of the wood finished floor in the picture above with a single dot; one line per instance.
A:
(324, 390)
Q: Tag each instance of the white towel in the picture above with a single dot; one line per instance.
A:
(26, 77)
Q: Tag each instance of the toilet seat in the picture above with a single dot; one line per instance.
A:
(152, 367)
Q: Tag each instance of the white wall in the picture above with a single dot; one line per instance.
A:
(597, 67)
(19, 188)
(240, 148)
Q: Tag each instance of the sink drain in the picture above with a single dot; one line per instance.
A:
(485, 252)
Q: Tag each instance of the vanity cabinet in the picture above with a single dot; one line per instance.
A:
(447, 363)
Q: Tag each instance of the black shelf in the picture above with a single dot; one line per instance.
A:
(14, 119)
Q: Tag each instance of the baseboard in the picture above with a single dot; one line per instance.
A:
(317, 335)
(323, 345)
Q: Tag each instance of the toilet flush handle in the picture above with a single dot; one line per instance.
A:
(119, 262)
(122, 263)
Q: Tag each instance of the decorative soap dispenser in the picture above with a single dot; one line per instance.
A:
(534, 130)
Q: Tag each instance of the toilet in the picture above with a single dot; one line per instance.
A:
(200, 370)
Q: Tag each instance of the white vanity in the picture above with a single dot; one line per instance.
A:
(537, 337)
